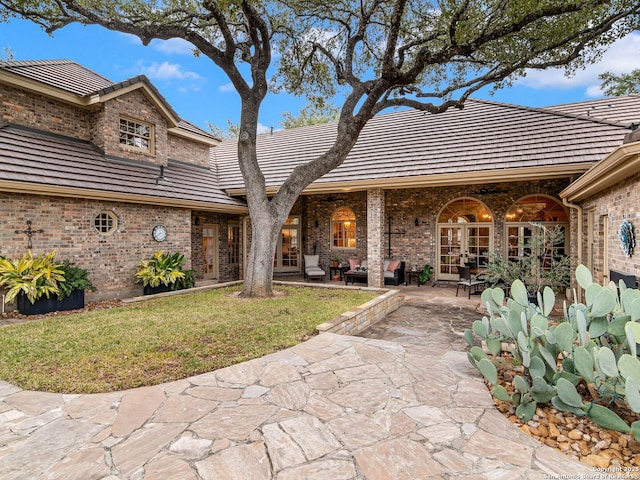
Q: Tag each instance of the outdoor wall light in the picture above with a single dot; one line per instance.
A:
(316, 224)
(417, 222)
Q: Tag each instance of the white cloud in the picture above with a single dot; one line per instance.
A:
(173, 45)
(263, 128)
(166, 71)
(227, 87)
(621, 57)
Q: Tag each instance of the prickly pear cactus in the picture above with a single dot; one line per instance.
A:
(594, 344)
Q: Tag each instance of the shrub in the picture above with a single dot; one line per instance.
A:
(34, 277)
(593, 345)
(75, 278)
(163, 269)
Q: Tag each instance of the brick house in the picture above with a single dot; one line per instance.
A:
(95, 166)
(440, 189)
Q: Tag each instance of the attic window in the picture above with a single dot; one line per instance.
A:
(136, 135)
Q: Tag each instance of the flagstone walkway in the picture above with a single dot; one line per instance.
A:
(331, 408)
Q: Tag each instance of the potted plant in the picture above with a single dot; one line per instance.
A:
(540, 264)
(163, 273)
(32, 281)
(71, 290)
(425, 274)
(335, 261)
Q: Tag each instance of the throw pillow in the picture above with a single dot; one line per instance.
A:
(353, 262)
(393, 264)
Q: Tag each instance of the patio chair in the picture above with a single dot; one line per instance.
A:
(312, 268)
(468, 282)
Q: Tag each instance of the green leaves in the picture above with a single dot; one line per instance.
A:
(34, 277)
(162, 269)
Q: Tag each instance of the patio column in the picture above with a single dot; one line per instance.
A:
(375, 236)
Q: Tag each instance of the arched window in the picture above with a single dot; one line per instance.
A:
(537, 208)
(523, 216)
(343, 228)
(465, 210)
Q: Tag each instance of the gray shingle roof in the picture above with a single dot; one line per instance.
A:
(484, 137)
(51, 161)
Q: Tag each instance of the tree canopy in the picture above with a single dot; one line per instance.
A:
(311, 114)
(376, 54)
(623, 84)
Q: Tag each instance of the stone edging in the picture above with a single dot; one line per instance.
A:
(365, 315)
(351, 322)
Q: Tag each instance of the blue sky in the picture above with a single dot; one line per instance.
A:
(199, 92)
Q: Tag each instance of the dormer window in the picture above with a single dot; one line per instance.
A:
(136, 135)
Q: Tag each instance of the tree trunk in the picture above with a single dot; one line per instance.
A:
(258, 278)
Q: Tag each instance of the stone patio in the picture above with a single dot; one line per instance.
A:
(399, 402)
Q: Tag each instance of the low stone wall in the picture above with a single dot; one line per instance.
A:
(349, 323)
(365, 315)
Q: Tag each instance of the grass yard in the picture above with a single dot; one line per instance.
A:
(162, 340)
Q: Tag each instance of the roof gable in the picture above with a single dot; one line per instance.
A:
(71, 82)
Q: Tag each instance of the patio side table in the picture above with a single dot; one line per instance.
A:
(410, 275)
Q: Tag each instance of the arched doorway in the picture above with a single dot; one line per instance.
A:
(465, 234)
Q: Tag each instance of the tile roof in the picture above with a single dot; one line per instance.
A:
(485, 138)
(54, 163)
(63, 74)
(622, 109)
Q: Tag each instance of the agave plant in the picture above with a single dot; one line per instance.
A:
(33, 277)
(163, 269)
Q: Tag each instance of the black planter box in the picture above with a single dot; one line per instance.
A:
(149, 290)
(74, 301)
(52, 304)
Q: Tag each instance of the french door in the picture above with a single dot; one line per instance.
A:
(461, 243)
(287, 257)
(210, 251)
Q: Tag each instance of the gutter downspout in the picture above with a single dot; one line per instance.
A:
(580, 213)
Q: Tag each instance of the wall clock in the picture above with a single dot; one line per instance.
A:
(627, 238)
(159, 233)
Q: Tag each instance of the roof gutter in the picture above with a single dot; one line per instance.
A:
(58, 191)
(579, 229)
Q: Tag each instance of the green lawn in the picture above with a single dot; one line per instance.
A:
(162, 340)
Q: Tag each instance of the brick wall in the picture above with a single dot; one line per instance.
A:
(99, 124)
(33, 110)
(414, 244)
(188, 151)
(618, 203)
(68, 228)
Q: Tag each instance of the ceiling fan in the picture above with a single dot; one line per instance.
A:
(331, 198)
(484, 190)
